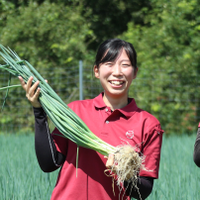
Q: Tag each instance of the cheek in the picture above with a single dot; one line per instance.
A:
(129, 73)
(103, 72)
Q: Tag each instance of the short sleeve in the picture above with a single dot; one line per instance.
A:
(60, 142)
(151, 151)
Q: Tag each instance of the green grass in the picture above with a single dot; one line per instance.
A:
(21, 177)
(179, 177)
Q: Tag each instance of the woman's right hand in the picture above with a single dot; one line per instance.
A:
(32, 92)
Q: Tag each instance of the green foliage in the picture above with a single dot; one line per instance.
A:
(109, 18)
(54, 35)
(51, 37)
(5, 9)
(168, 59)
(46, 32)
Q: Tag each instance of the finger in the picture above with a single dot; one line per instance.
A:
(34, 98)
(110, 161)
(29, 83)
(31, 91)
(23, 84)
(37, 93)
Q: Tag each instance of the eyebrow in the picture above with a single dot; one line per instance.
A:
(127, 60)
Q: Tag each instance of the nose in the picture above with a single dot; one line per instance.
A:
(117, 69)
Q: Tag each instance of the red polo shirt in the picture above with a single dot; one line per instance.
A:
(127, 125)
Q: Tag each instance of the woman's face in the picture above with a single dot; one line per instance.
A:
(116, 76)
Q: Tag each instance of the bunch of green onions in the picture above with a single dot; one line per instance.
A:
(67, 122)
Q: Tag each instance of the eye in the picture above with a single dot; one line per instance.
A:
(126, 64)
(108, 63)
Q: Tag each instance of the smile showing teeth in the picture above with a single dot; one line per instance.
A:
(116, 82)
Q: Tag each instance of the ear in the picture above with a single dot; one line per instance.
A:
(96, 71)
(135, 73)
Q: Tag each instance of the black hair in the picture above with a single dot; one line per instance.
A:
(110, 49)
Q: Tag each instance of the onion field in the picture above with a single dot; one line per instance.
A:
(21, 177)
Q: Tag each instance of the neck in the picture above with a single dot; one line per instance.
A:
(115, 103)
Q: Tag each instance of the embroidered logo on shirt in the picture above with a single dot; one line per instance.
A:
(130, 134)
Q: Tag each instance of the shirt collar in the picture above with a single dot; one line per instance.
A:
(127, 111)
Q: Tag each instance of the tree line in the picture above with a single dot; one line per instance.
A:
(54, 34)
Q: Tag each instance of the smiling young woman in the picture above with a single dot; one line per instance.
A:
(116, 75)
(114, 117)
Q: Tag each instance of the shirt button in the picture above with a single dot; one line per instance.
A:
(107, 122)
(106, 109)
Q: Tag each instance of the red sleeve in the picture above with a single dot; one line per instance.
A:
(60, 142)
(151, 152)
